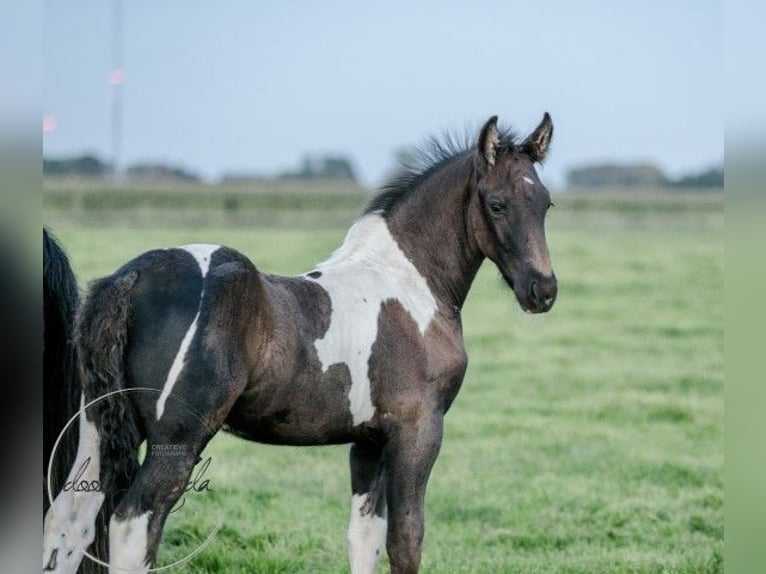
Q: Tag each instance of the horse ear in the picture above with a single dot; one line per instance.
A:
(489, 138)
(537, 143)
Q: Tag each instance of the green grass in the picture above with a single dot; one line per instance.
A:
(588, 440)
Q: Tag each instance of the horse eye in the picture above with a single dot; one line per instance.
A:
(495, 207)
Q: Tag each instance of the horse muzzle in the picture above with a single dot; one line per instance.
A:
(539, 295)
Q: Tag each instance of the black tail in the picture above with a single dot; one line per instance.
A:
(101, 337)
(101, 334)
(61, 383)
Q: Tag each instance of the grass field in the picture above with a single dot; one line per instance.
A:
(588, 440)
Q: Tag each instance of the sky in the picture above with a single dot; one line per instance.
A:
(243, 86)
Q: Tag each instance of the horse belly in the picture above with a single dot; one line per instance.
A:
(309, 409)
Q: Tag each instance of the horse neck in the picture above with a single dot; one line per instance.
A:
(431, 227)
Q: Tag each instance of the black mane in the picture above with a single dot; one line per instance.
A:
(420, 162)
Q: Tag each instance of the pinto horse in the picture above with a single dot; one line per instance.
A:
(366, 348)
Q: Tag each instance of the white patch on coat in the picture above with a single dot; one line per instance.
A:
(529, 180)
(366, 536)
(128, 544)
(176, 367)
(202, 253)
(69, 526)
(366, 270)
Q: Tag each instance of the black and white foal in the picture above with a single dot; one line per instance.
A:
(365, 349)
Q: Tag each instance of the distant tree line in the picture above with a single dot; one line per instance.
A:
(641, 175)
(84, 165)
(91, 166)
(712, 177)
(311, 167)
(159, 171)
(337, 167)
(321, 167)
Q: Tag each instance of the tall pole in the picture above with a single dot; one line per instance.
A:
(116, 79)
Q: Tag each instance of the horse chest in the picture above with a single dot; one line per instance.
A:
(358, 285)
(357, 303)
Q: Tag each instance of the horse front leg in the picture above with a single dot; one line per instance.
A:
(367, 523)
(412, 451)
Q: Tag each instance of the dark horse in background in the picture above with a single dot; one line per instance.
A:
(366, 349)
(61, 381)
(61, 385)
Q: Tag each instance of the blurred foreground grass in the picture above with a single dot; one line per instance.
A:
(588, 440)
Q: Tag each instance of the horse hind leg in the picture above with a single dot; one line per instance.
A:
(191, 408)
(367, 523)
(135, 527)
(69, 527)
(174, 444)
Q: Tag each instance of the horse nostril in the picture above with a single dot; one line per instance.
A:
(542, 293)
(533, 291)
(550, 294)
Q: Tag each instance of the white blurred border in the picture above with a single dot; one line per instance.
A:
(20, 292)
(745, 168)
